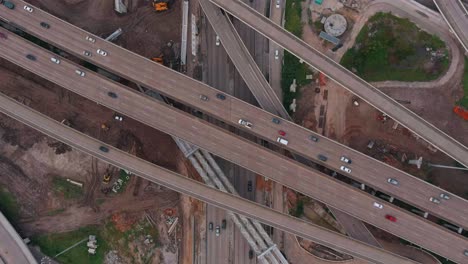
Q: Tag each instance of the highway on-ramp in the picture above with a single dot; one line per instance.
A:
(175, 85)
(456, 16)
(345, 78)
(240, 151)
(193, 188)
(12, 248)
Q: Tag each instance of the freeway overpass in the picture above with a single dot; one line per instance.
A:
(456, 16)
(12, 248)
(193, 188)
(175, 85)
(240, 151)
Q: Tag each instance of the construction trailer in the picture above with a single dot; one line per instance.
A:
(120, 7)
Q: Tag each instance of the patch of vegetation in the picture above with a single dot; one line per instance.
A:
(53, 244)
(122, 181)
(56, 212)
(464, 101)
(66, 189)
(299, 210)
(392, 48)
(8, 205)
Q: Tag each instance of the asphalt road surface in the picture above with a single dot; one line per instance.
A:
(240, 151)
(12, 248)
(186, 90)
(456, 16)
(179, 183)
(345, 78)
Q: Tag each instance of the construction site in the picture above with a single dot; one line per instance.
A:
(71, 207)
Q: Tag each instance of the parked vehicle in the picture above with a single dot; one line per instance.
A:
(392, 181)
(28, 8)
(345, 169)
(55, 60)
(103, 149)
(249, 186)
(275, 120)
(90, 39)
(223, 224)
(377, 205)
(101, 52)
(245, 123)
(282, 141)
(203, 97)
(276, 54)
(281, 132)
(218, 230)
(322, 157)
(220, 96)
(80, 73)
(444, 196)
(112, 94)
(345, 159)
(391, 218)
(31, 57)
(218, 41)
(210, 226)
(434, 200)
(44, 25)
(313, 138)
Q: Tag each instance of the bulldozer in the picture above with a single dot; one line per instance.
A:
(160, 6)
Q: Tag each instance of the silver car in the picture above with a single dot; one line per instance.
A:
(392, 181)
(444, 196)
(101, 52)
(28, 8)
(377, 205)
(345, 169)
(55, 60)
(245, 123)
(90, 39)
(80, 73)
(434, 200)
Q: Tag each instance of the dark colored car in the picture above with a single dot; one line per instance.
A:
(391, 218)
(112, 94)
(45, 25)
(313, 138)
(210, 226)
(9, 5)
(249, 186)
(322, 157)
(223, 224)
(337, 47)
(103, 149)
(31, 57)
(275, 120)
(251, 254)
(220, 96)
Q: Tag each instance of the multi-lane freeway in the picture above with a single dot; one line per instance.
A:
(239, 151)
(12, 248)
(345, 78)
(186, 90)
(193, 188)
(456, 16)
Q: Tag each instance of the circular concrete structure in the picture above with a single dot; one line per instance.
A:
(335, 25)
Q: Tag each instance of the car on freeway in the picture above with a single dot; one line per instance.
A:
(276, 54)
(434, 200)
(101, 52)
(223, 224)
(392, 181)
(80, 73)
(345, 159)
(90, 39)
(87, 53)
(251, 254)
(249, 186)
(465, 253)
(31, 57)
(218, 230)
(118, 117)
(28, 8)
(313, 138)
(391, 218)
(281, 132)
(277, 4)
(282, 141)
(218, 41)
(203, 97)
(103, 149)
(322, 157)
(245, 123)
(345, 169)
(55, 60)
(275, 120)
(3, 36)
(444, 196)
(44, 25)
(112, 94)
(377, 205)
(220, 96)
(210, 226)
(8, 4)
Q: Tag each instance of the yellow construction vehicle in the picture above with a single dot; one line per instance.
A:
(106, 178)
(160, 6)
(158, 60)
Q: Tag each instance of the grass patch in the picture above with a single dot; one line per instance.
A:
(53, 244)
(66, 189)
(392, 48)
(464, 101)
(56, 212)
(8, 205)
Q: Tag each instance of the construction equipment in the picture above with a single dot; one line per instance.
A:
(461, 112)
(158, 60)
(104, 127)
(160, 6)
(106, 178)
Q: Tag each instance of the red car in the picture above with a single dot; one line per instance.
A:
(282, 133)
(391, 218)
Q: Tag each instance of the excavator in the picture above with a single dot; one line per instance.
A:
(160, 5)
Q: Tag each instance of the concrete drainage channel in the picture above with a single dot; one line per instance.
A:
(213, 176)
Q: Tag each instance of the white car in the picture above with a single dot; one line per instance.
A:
(377, 205)
(28, 8)
(277, 3)
(346, 169)
(444, 196)
(345, 159)
(118, 118)
(392, 181)
(80, 73)
(434, 200)
(245, 123)
(90, 39)
(101, 52)
(87, 53)
(55, 60)
(218, 40)
(282, 141)
(276, 54)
